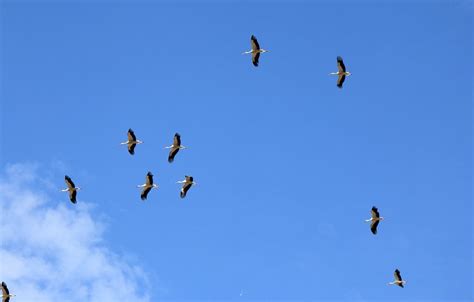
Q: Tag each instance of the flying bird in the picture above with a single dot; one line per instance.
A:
(147, 186)
(5, 293)
(131, 142)
(187, 183)
(175, 147)
(255, 51)
(71, 188)
(398, 279)
(375, 219)
(341, 73)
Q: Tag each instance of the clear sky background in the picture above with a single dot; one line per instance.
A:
(287, 165)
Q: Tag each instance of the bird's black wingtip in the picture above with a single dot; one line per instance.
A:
(182, 195)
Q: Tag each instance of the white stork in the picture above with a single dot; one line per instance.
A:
(375, 219)
(187, 183)
(175, 147)
(147, 186)
(398, 279)
(342, 73)
(255, 51)
(6, 293)
(71, 188)
(131, 142)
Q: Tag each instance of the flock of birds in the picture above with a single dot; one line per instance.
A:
(149, 184)
(188, 181)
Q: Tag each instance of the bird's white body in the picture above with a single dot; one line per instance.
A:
(132, 142)
(71, 189)
(374, 219)
(173, 146)
(148, 186)
(255, 51)
(347, 73)
(396, 282)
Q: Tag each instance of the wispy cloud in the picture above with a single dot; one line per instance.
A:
(55, 252)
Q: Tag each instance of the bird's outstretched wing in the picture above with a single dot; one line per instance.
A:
(177, 140)
(131, 136)
(255, 58)
(375, 212)
(131, 148)
(5, 291)
(70, 184)
(149, 179)
(145, 192)
(172, 154)
(397, 275)
(373, 226)
(340, 64)
(340, 80)
(185, 189)
(254, 43)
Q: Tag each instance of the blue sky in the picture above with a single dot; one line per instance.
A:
(287, 165)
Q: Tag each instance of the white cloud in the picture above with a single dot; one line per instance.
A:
(54, 252)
